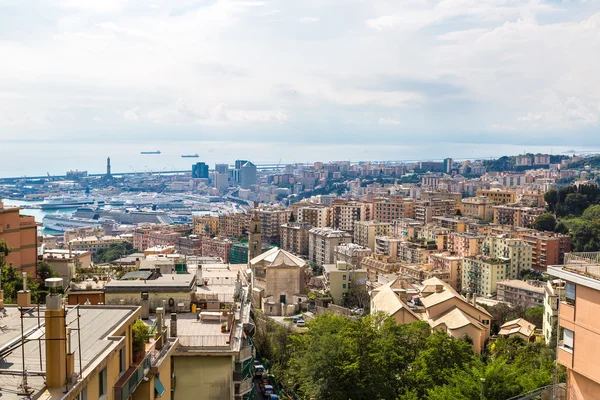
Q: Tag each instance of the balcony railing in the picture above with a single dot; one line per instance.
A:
(243, 387)
(132, 378)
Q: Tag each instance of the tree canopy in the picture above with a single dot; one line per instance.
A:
(374, 358)
(545, 222)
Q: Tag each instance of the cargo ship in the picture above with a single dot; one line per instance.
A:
(150, 152)
(190, 156)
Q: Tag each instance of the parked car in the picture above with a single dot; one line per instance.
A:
(268, 390)
(264, 382)
(300, 323)
(273, 397)
(296, 319)
(259, 370)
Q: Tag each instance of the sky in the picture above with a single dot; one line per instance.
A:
(519, 72)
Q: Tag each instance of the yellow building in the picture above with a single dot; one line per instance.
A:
(498, 196)
(338, 278)
(86, 353)
(478, 207)
(206, 225)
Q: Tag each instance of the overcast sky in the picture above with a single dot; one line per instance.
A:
(499, 71)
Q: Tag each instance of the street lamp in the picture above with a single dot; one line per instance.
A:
(482, 386)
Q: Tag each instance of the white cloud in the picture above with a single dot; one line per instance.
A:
(464, 66)
(308, 20)
(389, 121)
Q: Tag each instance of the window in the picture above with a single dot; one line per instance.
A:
(343, 277)
(568, 339)
(102, 384)
(344, 286)
(122, 360)
(570, 293)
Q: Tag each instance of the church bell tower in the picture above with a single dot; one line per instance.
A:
(254, 237)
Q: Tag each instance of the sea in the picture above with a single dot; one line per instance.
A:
(38, 158)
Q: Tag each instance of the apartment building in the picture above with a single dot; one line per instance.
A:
(379, 265)
(465, 244)
(205, 225)
(366, 231)
(439, 194)
(150, 236)
(389, 209)
(339, 277)
(233, 225)
(20, 234)
(322, 243)
(516, 216)
(100, 365)
(515, 250)
(479, 207)
(294, 237)
(480, 274)
(520, 293)
(217, 247)
(547, 248)
(425, 210)
(95, 243)
(319, 216)
(438, 304)
(578, 311)
(552, 291)
(456, 224)
(346, 213)
(271, 221)
(351, 253)
(450, 263)
(498, 196)
(407, 228)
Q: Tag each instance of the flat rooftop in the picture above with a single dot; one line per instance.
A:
(97, 324)
(166, 282)
(198, 333)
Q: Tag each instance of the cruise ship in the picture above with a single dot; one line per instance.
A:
(68, 201)
(64, 222)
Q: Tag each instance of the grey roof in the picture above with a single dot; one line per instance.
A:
(97, 324)
(146, 274)
(164, 283)
(248, 164)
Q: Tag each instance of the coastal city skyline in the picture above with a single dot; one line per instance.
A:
(293, 200)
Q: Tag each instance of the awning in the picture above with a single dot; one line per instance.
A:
(158, 386)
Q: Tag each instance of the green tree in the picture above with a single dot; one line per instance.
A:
(545, 222)
(141, 335)
(551, 197)
(45, 271)
(592, 213)
(576, 203)
(535, 315)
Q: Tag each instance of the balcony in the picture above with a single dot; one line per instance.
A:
(132, 378)
(246, 352)
(565, 356)
(567, 312)
(243, 387)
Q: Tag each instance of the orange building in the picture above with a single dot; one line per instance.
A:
(578, 313)
(20, 233)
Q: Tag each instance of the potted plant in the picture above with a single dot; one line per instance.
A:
(141, 335)
(223, 327)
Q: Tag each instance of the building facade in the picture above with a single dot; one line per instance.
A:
(20, 234)
(322, 243)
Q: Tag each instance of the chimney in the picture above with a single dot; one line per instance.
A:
(475, 299)
(173, 325)
(145, 306)
(24, 296)
(159, 327)
(56, 337)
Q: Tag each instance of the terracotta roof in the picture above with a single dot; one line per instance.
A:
(515, 326)
(387, 300)
(276, 257)
(455, 319)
